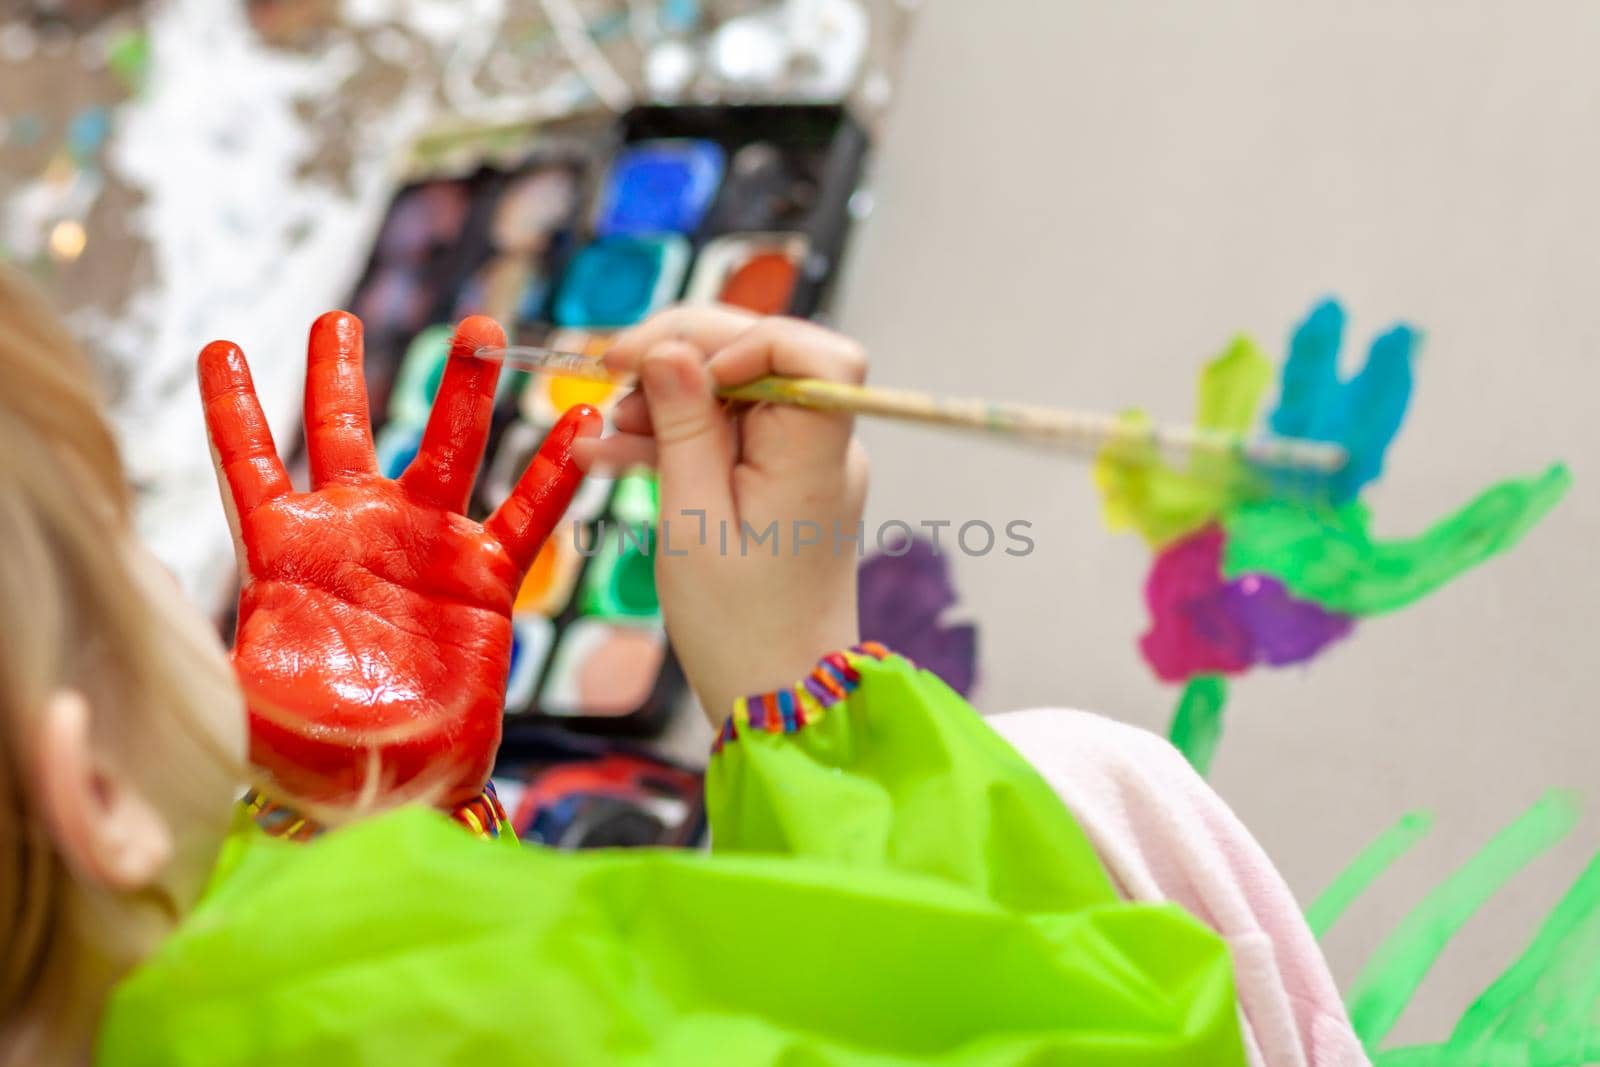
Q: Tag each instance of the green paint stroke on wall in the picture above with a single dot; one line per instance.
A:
(1395, 970)
(1329, 555)
(1365, 869)
(1547, 1001)
(1197, 722)
(1544, 1010)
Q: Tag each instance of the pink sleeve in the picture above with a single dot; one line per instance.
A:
(1163, 834)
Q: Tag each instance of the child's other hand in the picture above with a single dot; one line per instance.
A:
(761, 508)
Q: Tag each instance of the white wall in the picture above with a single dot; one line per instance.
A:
(1080, 202)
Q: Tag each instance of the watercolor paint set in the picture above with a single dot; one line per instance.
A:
(590, 230)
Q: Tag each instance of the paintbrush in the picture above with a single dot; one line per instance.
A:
(1082, 433)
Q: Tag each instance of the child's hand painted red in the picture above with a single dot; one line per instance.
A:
(374, 630)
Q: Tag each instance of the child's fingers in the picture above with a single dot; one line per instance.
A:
(524, 521)
(241, 442)
(458, 426)
(617, 452)
(705, 326)
(794, 349)
(632, 414)
(693, 435)
(338, 433)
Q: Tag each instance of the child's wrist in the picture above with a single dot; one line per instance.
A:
(769, 672)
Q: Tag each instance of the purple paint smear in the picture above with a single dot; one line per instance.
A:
(1285, 630)
(1203, 625)
(901, 600)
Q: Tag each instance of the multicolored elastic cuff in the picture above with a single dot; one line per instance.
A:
(789, 710)
(483, 815)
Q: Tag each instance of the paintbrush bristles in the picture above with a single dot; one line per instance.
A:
(548, 361)
(1086, 433)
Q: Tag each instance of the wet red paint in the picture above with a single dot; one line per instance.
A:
(374, 627)
(763, 284)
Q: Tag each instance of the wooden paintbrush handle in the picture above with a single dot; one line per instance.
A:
(1086, 433)
(1076, 431)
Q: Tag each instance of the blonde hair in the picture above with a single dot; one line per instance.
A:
(75, 614)
(72, 612)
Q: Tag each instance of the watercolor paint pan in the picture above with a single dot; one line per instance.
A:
(770, 188)
(755, 271)
(665, 185)
(610, 674)
(618, 280)
(790, 167)
(525, 237)
(538, 203)
(620, 581)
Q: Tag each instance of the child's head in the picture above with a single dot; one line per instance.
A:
(121, 730)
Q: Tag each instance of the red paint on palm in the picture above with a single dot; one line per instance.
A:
(374, 628)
